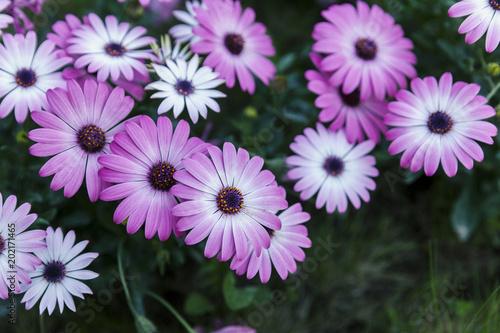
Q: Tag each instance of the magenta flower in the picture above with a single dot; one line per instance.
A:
(365, 49)
(5, 19)
(26, 73)
(145, 158)
(439, 122)
(110, 48)
(482, 19)
(285, 248)
(16, 243)
(63, 31)
(229, 199)
(359, 118)
(328, 164)
(22, 22)
(77, 128)
(58, 278)
(234, 43)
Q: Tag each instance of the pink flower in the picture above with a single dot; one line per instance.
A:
(5, 19)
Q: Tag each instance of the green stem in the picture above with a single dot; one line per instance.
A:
(171, 309)
(42, 324)
(433, 287)
(493, 91)
(481, 308)
(122, 278)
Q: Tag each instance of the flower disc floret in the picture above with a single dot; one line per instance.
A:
(161, 176)
(25, 77)
(54, 271)
(439, 122)
(230, 200)
(91, 138)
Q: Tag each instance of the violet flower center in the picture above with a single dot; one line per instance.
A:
(91, 138)
(25, 77)
(115, 49)
(334, 165)
(230, 200)
(270, 232)
(366, 48)
(54, 272)
(495, 4)
(351, 99)
(184, 87)
(2, 244)
(234, 43)
(161, 176)
(439, 122)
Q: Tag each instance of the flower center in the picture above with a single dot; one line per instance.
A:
(495, 4)
(25, 77)
(184, 87)
(161, 176)
(366, 48)
(351, 99)
(334, 165)
(439, 122)
(230, 200)
(54, 272)
(115, 49)
(270, 232)
(2, 244)
(234, 43)
(91, 138)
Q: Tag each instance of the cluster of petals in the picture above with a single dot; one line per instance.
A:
(183, 32)
(16, 244)
(439, 122)
(16, 9)
(5, 19)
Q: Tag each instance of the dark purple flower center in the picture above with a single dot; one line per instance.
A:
(184, 87)
(334, 165)
(91, 138)
(25, 77)
(54, 271)
(439, 122)
(495, 4)
(115, 49)
(366, 48)
(351, 99)
(161, 176)
(234, 43)
(270, 232)
(2, 244)
(230, 200)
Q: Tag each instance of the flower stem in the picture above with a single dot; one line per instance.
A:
(433, 287)
(481, 309)
(493, 91)
(171, 309)
(122, 278)
(42, 323)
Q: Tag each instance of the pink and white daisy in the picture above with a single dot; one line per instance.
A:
(285, 248)
(110, 48)
(183, 33)
(327, 164)
(26, 73)
(234, 43)
(5, 19)
(484, 18)
(359, 118)
(183, 84)
(144, 160)
(78, 127)
(439, 122)
(365, 49)
(59, 276)
(16, 244)
(229, 199)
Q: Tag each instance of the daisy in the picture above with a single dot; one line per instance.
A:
(285, 248)
(78, 127)
(16, 243)
(328, 164)
(365, 49)
(58, 278)
(144, 159)
(184, 84)
(165, 50)
(183, 33)
(483, 18)
(439, 122)
(360, 118)
(5, 19)
(110, 48)
(26, 73)
(229, 199)
(234, 43)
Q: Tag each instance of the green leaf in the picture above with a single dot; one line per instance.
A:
(465, 215)
(197, 304)
(145, 325)
(240, 298)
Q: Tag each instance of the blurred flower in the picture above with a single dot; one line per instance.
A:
(146, 3)
(58, 278)
(328, 163)
(234, 43)
(110, 49)
(483, 16)
(360, 118)
(229, 199)
(26, 73)
(493, 69)
(235, 329)
(439, 122)
(365, 49)
(14, 239)
(144, 159)
(63, 32)
(184, 84)
(285, 248)
(77, 129)
(165, 51)
(184, 32)
(21, 21)
(5, 19)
